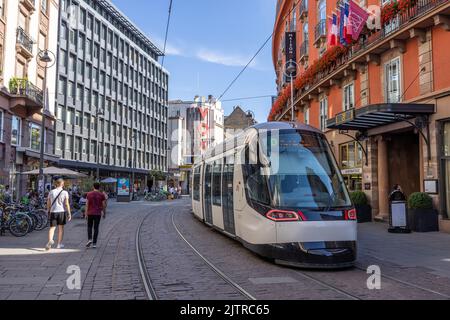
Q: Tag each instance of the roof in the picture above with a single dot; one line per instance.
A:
(123, 19)
(377, 115)
(239, 119)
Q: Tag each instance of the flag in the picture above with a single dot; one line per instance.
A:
(332, 37)
(347, 26)
(341, 26)
(358, 18)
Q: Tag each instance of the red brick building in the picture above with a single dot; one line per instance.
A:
(384, 101)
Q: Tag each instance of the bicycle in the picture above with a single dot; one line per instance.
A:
(18, 224)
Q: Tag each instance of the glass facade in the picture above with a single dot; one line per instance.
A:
(351, 156)
(113, 82)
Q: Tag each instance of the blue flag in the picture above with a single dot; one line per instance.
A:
(341, 26)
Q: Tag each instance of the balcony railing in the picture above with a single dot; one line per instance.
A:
(364, 45)
(24, 40)
(304, 50)
(24, 88)
(303, 9)
(320, 30)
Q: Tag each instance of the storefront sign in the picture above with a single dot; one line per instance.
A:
(291, 53)
(352, 171)
(345, 116)
(430, 186)
(123, 187)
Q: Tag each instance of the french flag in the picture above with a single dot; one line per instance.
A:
(347, 26)
(333, 38)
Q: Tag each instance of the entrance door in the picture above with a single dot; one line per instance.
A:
(207, 204)
(227, 198)
(404, 165)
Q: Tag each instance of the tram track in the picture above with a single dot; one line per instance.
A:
(325, 282)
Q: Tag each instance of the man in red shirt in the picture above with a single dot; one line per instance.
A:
(95, 210)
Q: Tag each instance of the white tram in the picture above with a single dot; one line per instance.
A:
(277, 189)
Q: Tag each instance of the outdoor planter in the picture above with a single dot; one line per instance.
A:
(363, 209)
(422, 216)
(364, 213)
(424, 220)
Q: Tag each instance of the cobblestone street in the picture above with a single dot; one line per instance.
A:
(413, 266)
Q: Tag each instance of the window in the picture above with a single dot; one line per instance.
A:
(306, 114)
(59, 142)
(349, 97)
(2, 8)
(35, 137)
(217, 184)
(323, 104)
(16, 124)
(1, 125)
(44, 6)
(392, 78)
(196, 193)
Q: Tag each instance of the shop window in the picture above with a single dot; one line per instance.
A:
(351, 156)
(35, 137)
(16, 131)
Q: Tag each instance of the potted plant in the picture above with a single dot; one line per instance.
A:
(363, 209)
(423, 217)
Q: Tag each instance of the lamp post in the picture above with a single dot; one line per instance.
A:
(134, 165)
(45, 59)
(290, 71)
(99, 113)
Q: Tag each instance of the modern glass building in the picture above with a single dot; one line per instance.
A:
(112, 94)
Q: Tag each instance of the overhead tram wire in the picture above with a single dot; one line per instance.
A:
(257, 52)
(167, 31)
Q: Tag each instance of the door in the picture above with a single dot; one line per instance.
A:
(207, 204)
(227, 198)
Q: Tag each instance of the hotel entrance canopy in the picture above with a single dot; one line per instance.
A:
(378, 115)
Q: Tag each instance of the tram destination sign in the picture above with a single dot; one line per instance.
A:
(345, 116)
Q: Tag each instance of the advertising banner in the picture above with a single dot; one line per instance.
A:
(123, 187)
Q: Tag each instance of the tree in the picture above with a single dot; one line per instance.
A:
(157, 175)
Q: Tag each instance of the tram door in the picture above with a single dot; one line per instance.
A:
(227, 198)
(207, 204)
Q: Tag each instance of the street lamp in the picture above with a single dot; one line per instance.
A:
(290, 70)
(99, 113)
(134, 165)
(45, 59)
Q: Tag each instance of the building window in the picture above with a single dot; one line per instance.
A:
(306, 115)
(1, 125)
(59, 142)
(16, 124)
(349, 97)
(35, 137)
(323, 117)
(44, 6)
(392, 81)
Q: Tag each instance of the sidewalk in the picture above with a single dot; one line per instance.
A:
(428, 251)
(27, 271)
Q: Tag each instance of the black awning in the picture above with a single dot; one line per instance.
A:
(378, 115)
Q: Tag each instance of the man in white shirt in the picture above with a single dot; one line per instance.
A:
(59, 211)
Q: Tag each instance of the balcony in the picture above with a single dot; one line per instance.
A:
(29, 4)
(304, 52)
(303, 10)
(411, 24)
(320, 32)
(24, 43)
(27, 99)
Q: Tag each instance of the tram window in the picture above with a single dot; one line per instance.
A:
(196, 193)
(257, 184)
(217, 184)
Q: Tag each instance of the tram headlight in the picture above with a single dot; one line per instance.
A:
(282, 215)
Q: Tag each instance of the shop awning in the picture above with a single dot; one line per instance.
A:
(378, 115)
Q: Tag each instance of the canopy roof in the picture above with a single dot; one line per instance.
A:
(54, 171)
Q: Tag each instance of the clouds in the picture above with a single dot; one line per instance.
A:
(223, 58)
(207, 55)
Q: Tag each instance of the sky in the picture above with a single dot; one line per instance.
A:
(209, 42)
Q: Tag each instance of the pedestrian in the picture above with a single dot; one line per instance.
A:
(397, 194)
(95, 210)
(7, 195)
(58, 208)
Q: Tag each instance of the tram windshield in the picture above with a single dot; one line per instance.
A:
(296, 169)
